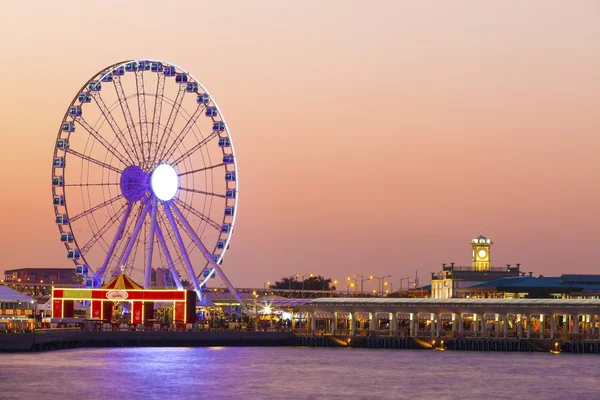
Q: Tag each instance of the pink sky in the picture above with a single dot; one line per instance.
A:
(372, 137)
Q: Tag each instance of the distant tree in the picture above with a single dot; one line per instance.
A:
(311, 283)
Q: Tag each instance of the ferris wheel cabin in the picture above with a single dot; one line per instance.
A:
(156, 67)
(58, 201)
(170, 71)
(219, 126)
(62, 219)
(66, 237)
(59, 162)
(192, 87)
(119, 71)
(203, 98)
(224, 142)
(57, 181)
(75, 111)
(144, 65)
(230, 194)
(62, 144)
(225, 228)
(181, 78)
(95, 86)
(68, 127)
(211, 112)
(229, 211)
(107, 78)
(73, 254)
(84, 98)
(228, 159)
(230, 176)
(131, 67)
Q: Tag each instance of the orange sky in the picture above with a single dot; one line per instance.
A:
(372, 137)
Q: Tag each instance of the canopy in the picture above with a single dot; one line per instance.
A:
(122, 282)
(9, 295)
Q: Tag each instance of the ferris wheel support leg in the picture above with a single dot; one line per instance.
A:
(209, 257)
(184, 253)
(161, 239)
(148, 271)
(114, 243)
(136, 231)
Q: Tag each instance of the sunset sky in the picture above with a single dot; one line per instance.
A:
(372, 137)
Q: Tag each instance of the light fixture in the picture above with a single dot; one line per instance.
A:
(164, 182)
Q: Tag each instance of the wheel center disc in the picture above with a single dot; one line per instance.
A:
(134, 183)
(164, 182)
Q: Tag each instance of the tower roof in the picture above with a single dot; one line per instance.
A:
(481, 239)
(121, 282)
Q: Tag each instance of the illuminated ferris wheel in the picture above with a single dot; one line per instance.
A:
(144, 178)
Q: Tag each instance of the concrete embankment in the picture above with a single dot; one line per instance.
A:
(64, 339)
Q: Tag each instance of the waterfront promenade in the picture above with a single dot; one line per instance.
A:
(454, 324)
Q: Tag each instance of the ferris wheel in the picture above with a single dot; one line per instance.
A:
(145, 179)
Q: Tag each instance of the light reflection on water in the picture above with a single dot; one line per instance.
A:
(295, 373)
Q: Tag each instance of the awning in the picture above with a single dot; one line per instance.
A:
(122, 282)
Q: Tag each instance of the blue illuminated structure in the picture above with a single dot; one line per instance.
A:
(135, 198)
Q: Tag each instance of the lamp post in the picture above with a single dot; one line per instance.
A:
(378, 283)
(335, 282)
(391, 285)
(354, 285)
(383, 282)
(362, 279)
(350, 285)
(266, 283)
(291, 278)
(303, 276)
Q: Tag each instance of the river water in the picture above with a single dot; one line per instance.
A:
(295, 373)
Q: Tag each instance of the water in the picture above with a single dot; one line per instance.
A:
(295, 373)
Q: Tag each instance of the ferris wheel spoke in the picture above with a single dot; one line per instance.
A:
(96, 208)
(89, 184)
(93, 160)
(181, 136)
(202, 192)
(136, 231)
(158, 101)
(202, 169)
(103, 141)
(135, 140)
(148, 270)
(170, 121)
(184, 252)
(198, 214)
(163, 244)
(192, 150)
(141, 101)
(206, 254)
(117, 237)
(113, 125)
(111, 221)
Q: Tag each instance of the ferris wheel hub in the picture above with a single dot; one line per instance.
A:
(134, 183)
(164, 182)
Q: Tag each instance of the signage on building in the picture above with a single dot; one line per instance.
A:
(117, 295)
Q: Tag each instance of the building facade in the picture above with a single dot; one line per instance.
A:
(40, 275)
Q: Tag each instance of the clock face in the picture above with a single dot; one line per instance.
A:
(482, 253)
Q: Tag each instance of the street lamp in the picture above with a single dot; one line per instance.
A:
(335, 282)
(383, 281)
(290, 278)
(266, 283)
(362, 279)
(391, 285)
(354, 285)
(303, 276)
(351, 285)
(378, 283)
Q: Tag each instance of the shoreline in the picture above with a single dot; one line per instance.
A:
(46, 340)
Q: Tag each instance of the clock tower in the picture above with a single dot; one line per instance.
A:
(481, 253)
